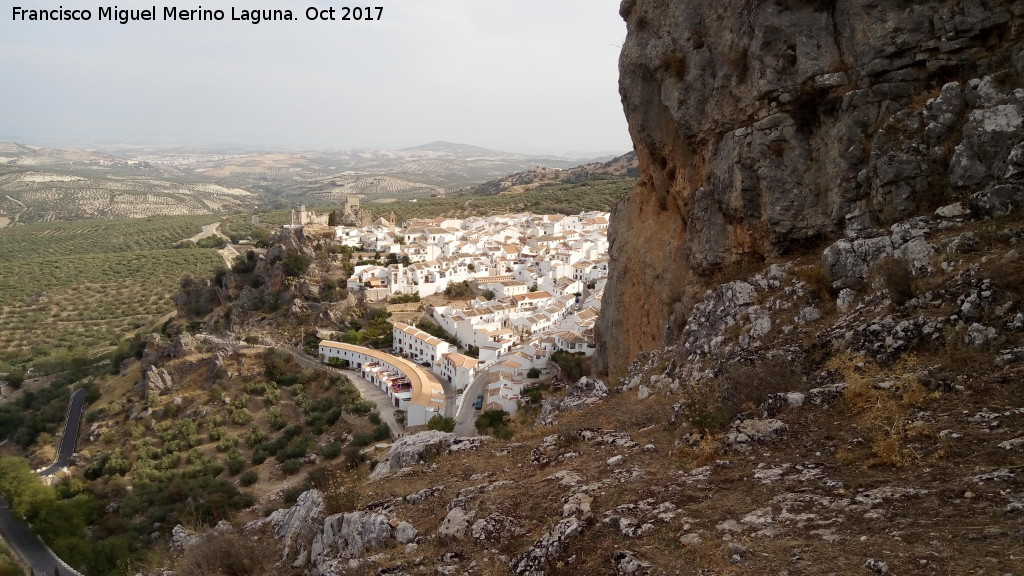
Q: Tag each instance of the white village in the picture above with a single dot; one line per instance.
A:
(539, 281)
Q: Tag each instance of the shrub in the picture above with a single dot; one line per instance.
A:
(275, 418)
(459, 289)
(291, 466)
(404, 298)
(748, 385)
(361, 407)
(572, 366)
(228, 553)
(235, 463)
(438, 422)
(241, 416)
(292, 494)
(255, 436)
(249, 477)
(495, 423)
(295, 263)
(337, 362)
(331, 451)
(898, 279)
(227, 443)
(533, 373)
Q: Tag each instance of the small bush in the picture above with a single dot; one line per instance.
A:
(495, 423)
(438, 422)
(249, 477)
(235, 463)
(292, 494)
(898, 279)
(228, 553)
(331, 451)
(291, 466)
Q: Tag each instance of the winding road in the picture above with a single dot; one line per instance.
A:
(68, 441)
(22, 541)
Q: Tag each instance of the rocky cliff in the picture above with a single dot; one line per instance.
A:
(762, 127)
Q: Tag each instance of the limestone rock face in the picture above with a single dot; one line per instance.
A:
(295, 527)
(413, 449)
(155, 381)
(761, 126)
(351, 535)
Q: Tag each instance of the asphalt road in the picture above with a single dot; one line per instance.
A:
(24, 542)
(70, 438)
(465, 419)
(18, 534)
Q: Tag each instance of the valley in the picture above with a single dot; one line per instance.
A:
(783, 336)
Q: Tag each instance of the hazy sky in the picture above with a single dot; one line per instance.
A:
(517, 75)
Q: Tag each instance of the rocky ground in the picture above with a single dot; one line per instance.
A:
(857, 411)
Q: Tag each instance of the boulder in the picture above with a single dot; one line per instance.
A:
(455, 524)
(413, 449)
(532, 562)
(155, 381)
(405, 533)
(295, 527)
(351, 535)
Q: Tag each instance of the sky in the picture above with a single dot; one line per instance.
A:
(514, 75)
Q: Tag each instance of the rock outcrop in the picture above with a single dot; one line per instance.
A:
(760, 127)
(418, 448)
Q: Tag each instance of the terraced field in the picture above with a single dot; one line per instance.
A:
(49, 197)
(77, 288)
(561, 198)
(374, 187)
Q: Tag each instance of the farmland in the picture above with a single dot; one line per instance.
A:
(43, 196)
(77, 288)
(555, 198)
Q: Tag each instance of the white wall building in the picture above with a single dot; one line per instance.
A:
(418, 345)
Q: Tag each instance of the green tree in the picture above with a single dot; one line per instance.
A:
(438, 422)
(495, 423)
(295, 263)
(15, 378)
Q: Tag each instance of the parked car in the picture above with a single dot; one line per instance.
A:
(479, 402)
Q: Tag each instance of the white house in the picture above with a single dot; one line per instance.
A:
(422, 347)
(409, 387)
(459, 369)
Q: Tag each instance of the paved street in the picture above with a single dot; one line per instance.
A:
(19, 536)
(28, 546)
(380, 398)
(465, 418)
(73, 421)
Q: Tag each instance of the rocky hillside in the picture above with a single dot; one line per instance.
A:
(764, 128)
(793, 429)
(814, 330)
(620, 166)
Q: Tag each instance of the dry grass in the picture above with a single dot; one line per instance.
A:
(230, 554)
(819, 285)
(881, 398)
(897, 278)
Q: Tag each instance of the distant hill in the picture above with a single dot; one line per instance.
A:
(53, 184)
(540, 190)
(620, 166)
(453, 148)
